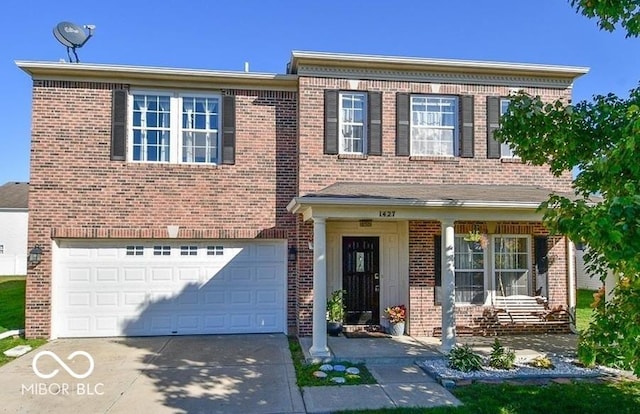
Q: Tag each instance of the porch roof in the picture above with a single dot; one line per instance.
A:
(436, 197)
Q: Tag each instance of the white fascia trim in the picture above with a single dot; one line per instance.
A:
(452, 63)
(299, 202)
(30, 66)
(14, 210)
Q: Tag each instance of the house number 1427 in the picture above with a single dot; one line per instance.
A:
(387, 213)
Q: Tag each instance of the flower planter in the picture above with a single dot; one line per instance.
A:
(396, 329)
(334, 328)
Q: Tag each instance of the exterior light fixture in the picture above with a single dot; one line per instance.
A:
(35, 256)
(293, 254)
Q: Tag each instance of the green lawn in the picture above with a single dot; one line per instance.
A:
(12, 291)
(583, 308)
(12, 314)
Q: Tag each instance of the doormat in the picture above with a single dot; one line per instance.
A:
(365, 334)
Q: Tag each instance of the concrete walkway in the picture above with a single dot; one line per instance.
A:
(401, 383)
(398, 386)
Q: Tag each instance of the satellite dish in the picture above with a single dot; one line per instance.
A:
(72, 36)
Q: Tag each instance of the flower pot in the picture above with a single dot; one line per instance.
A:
(334, 328)
(396, 329)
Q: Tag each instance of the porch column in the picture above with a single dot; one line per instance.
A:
(571, 286)
(448, 287)
(319, 347)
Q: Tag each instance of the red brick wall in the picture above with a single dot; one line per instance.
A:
(318, 170)
(77, 191)
(425, 315)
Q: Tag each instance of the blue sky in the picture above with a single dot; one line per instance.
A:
(223, 34)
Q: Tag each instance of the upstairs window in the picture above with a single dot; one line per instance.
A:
(173, 127)
(200, 126)
(353, 122)
(496, 108)
(433, 125)
(168, 128)
(505, 150)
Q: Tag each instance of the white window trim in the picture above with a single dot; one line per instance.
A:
(455, 128)
(492, 269)
(175, 120)
(365, 121)
(486, 282)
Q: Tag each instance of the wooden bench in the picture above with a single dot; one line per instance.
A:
(528, 310)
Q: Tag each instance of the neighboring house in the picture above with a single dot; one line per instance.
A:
(584, 280)
(174, 201)
(14, 218)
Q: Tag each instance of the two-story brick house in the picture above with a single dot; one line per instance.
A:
(174, 201)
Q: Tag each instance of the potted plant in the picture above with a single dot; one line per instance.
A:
(335, 312)
(478, 240)
(397, 316)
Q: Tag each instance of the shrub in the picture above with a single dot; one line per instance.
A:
(464, 359)
(542, 362)
(501, 357)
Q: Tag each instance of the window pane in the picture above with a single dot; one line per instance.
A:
(352, 122)
(512, 283)
(433, 125)
(511, 261)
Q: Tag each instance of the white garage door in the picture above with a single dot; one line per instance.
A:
(168, 287)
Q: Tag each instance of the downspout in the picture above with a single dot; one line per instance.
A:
(571, 285)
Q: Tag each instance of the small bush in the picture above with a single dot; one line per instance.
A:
(464, 359)
(501, 357)
(542, 362)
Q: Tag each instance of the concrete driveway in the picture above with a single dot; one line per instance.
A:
(187, 374)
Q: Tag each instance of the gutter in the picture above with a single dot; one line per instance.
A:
(299, 202)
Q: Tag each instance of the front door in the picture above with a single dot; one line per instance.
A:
(361, 279)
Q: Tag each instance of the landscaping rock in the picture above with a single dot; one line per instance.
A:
(326, 367)
(320, 374)
(339, 368)
(17, 351)
(448, 384)
(338, 380)
(353, 371)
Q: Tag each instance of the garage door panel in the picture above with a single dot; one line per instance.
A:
(161, 274)
(106, 274)
(220, 287)
(134, 274)
(107, 299)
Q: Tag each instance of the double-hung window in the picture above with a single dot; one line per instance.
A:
(353, 122)
(433, 125)
(511, 264)
(469, 273)
(175, 128)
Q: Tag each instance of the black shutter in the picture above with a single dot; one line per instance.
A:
(437, 265)
(403, 131)
(229, 129)
(466, 126)
(493, 122)
(119, 125)
(375, 123)
(331, 122)
(540, 251)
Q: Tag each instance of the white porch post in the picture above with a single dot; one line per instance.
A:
(319, 347)
(448, 287)
(571, 286)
